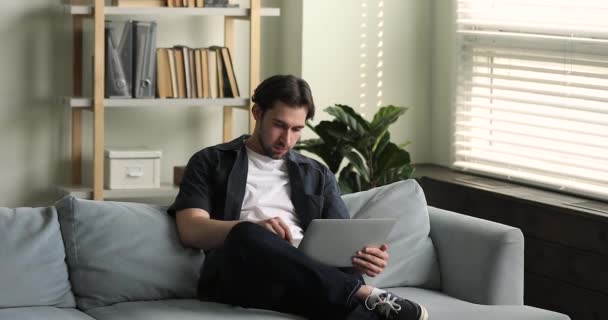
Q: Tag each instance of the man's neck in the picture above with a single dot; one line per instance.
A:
(253, 143)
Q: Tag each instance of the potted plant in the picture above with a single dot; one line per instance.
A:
(373, 160)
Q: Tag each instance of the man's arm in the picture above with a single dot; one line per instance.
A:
(196, 229)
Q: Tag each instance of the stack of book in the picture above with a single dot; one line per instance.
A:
(200, 3)
(184, 72)
(173, 3)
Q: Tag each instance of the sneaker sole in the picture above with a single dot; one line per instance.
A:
(424, 315)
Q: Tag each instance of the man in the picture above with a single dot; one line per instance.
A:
(247, 203)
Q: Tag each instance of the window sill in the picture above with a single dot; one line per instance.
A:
(563, 202)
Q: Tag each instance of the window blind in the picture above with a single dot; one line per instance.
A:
(532, 96)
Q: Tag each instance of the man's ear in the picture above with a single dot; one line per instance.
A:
(256, 110)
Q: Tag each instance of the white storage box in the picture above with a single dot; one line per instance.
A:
(132, 168)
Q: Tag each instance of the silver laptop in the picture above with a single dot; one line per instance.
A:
(335, 241)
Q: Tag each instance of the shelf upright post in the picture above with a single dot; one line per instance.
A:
(229, 43)
(77, 27)
(98, 96)
(254, 54)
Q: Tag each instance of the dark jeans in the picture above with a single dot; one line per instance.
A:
(261, 270)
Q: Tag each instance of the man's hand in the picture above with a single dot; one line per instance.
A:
(371, 261)
(277, 226)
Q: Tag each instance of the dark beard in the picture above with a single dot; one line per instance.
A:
(268, 150)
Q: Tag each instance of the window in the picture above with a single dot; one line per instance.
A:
(532, 97)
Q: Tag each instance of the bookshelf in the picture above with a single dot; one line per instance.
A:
(97, 104)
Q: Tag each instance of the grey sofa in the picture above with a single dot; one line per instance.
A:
(82, 259)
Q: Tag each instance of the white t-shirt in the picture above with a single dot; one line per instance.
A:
(267, 194)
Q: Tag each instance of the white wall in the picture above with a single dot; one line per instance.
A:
(444, 59)
(32, 69)
(319, 40)
(331, 61)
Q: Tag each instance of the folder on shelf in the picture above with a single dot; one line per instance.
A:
(116, 81)
(144, 83)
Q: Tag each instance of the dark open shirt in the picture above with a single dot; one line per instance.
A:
(215, 180)
(216, 177)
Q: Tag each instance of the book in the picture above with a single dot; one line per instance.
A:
(144, 83)
(173, 68)
(212, 72)
(229, 73)
(191, 3)
(218, 70)
(205, 71)
(180, 73)
(216, 3)
(187, 69)
(198, 72)
(140, 3)
(200, 3)
(192, 73)
(163, 73)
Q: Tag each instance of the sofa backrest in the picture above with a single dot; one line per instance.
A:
(412, 257)
(120, 251)
(32, 265)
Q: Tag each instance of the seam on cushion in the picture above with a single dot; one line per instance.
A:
(73, 225)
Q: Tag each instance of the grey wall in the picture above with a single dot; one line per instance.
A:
(319, 40)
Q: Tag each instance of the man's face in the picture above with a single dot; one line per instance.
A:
(279, 128)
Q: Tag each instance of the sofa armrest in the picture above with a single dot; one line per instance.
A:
(480, 261)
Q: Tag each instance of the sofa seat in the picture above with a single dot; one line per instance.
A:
(182, 309)
(444, 307)
(46, 313)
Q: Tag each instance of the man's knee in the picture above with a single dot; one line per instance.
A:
(242, 233)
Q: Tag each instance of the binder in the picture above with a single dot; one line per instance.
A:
(116, 82)
(144, 83)
(125, 50)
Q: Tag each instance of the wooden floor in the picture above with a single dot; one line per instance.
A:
(566, 247)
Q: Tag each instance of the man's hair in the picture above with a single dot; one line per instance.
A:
(288, 89)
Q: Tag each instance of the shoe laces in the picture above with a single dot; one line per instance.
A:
(385, 303)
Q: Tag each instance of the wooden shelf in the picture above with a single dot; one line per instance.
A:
(166, 190)
(82, 102)
(167, 11)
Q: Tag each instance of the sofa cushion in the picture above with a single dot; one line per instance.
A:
(46, 313)
(182, 310)
(120, 251)
(32, 264)
(412, 258)
(444, 307)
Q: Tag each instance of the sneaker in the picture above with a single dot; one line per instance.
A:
(392, 307)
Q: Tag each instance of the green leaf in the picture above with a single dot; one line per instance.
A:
(331, 131)
(350, 118)
(392, 161)
(385, 116)
(331, 154)
(358, 164)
